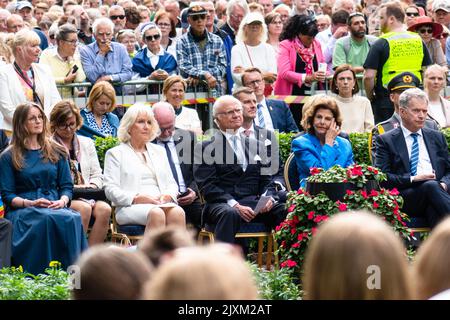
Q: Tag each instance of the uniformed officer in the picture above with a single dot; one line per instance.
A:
(396, 86)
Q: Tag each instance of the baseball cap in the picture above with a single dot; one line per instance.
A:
(441, 5)
(23, 4)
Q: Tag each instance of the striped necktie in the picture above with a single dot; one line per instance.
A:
(260, 116)
(414, 159)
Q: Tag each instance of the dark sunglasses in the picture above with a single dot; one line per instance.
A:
(412, 14)
(151, 38)
(427, 30)
(121, 17)
(199, 16)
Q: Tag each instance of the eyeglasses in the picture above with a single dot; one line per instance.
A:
(121, 17)
(164, 25)
(231, 112)
(426, 30)
(167, 129)
(412, 14)
(151, 38)
(253, 83)
(236, 17)
(35, 119)
(64, 126)
(199, 17)
(72, 42)
(276, 22)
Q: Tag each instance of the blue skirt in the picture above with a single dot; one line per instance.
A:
(41, 235)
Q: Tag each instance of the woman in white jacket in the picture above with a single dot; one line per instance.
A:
(25, 80)
(138, 179)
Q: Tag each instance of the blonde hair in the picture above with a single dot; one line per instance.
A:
(342, 254)
(435, 67)
(432, 263)
(241, 36)
(6, 40)
(202, 273)
(130, 118)
(170, 81)
(99, 89)
(24, 37)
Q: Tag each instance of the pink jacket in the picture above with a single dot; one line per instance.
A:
(287, 58)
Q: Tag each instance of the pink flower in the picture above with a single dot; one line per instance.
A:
(375, 205)
(311, 215)
(283, 244)
(394, 192)
(300, 191)
(341, 206)
(291, 208)
(295, 219)
(364, 194)
(291, 263)
(349, 192)
(293, 231)
(278, 228)
(356, 171)
(373, 193)
(300, 237)
(295, 245)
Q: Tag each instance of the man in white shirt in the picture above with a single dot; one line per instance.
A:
(416, 160)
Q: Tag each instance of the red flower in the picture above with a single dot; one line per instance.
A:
(300, 191)
(356, 171)
(394, 192)
(311, 215)
(291, 208)
(278, 228)
(375, 205)
(291, 263)
(295, 245)
(313, 171)
(375, 171)
(317, 219)
(373, 193)
(295, 219)
(300, 237)
(349, 192)
(364, 194)
(293, 231)
(345, 180)
(342, 206)
(283, 244)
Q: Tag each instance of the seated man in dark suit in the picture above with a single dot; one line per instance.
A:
(231, 177)
(179, 145)
(271, 114)
(416, 160)
(398, 84)
(5, 243)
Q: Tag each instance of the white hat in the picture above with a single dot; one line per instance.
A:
(441, 5)
(253, 17)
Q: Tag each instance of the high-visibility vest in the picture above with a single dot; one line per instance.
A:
(405, 54)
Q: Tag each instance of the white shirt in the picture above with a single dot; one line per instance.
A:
(266, 114)
(424, 165)
(251, 130)
(437, 113)
(154, 58)
(173, 151)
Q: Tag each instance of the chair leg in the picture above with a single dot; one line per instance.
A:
(275, 248)
(260, 251)
(269, 252)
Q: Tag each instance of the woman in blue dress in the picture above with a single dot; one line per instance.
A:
(36, 188)
(321, 146)
(98, 119)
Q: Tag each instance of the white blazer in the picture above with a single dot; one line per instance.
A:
(90, 167)
(11, 91)
(188, 120)
(122, 180)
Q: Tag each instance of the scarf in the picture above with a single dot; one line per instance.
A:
(306, 54)
(74, 164)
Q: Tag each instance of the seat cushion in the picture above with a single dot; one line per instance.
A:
(131, 229)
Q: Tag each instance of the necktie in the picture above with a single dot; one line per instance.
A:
(247, 132)
(414, 160)
(261, 116)
(239, 155)
(171, 163)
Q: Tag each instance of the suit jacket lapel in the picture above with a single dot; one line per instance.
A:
(400, 143)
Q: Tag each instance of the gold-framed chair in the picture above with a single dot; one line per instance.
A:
(249, 230)
(290, 173)
(126, 235)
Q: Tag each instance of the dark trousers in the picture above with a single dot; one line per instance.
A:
(426, 199)
(228, 221)
(5, 243)
(193, 213)
(382, 108)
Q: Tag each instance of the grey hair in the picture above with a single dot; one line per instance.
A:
(101, 22)
(233, 3)
(130, 118)
(113, 7)
(222, 101)
(338, 5)
(413, 93)
(64, 30)
(150, 26)
(163, 105)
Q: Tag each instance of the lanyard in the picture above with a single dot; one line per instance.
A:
(27, 80)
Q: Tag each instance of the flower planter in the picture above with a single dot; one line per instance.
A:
(337, 190)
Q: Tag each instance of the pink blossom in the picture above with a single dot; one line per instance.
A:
(394, 192)
(293, 231)
(295, 245)
(313, 171)
(375, 205)
(341, 206)
(373, 193)
(364, 194)
(300, 191)
(349, 192)
(291, 263)
(311, 215)
(291, 208)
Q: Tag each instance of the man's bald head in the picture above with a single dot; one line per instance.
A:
(165, 116)
(14, 23)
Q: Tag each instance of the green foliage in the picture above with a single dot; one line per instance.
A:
(277, 284)
(17, 285)
(446, 133)
(360, 147)
(284, 141)
(104, 144)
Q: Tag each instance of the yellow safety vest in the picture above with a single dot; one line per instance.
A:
(405, 54)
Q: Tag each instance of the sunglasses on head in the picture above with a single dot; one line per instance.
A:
(412, 14)
(426, 30)
(121, 17)
(199, 16)
(151, 38)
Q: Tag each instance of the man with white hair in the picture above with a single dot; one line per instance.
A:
(104, 60)
(236, 11)
(267, 5)
(302, 7)
(416, 160)
(4, 14)
(346, 5)
(231, 178)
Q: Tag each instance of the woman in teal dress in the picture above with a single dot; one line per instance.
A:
(321, 146)
(36, 188)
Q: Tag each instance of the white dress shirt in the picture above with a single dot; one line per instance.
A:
(173, 151)
(154, 58)
(266, 114)
(424, 165)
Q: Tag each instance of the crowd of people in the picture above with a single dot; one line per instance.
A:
(162, 175)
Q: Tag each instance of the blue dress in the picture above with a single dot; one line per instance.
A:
(41, 235)
(310, 153)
